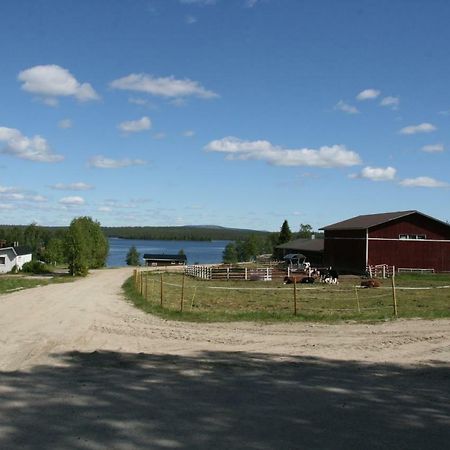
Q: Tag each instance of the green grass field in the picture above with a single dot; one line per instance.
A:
(426, 296)
(11, 283)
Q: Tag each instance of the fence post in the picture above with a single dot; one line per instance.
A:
(246, 274)
(394, 293)
(162, 290)
(141, 284)
(145, 284)
(182, 294)
(357, 300)
(295, 296)
(228, 273)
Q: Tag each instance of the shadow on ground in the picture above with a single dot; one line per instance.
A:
(215, 400)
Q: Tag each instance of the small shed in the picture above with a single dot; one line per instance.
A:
(408, 240)
(164, 260)
(14, 256)
(311, 248)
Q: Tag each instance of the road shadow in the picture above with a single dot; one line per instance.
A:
(223, 400)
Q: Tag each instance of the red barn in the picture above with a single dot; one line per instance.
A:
(404, 239)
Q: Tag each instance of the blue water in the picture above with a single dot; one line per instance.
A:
(202, 252)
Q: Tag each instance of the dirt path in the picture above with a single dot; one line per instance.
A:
(80, 368)
(90, 315)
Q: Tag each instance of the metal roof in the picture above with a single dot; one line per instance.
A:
(307, 245)
(19, 250)
(22, 250)
(369, 220)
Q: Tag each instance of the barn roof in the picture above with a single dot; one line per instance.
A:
(164, 257)
(311, 245)
(369, 220)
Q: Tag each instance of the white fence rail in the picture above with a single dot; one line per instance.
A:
(229, 273)
(414, 270)
(380, 271)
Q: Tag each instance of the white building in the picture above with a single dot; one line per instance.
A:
(13, 256)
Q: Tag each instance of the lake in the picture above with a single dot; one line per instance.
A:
(202, 252)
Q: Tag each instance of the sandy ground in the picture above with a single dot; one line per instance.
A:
(80, 368)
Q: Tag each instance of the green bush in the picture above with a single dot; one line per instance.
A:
(36, 267)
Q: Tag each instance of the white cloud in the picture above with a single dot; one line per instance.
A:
(392, 102)
(377, 173)
(135, 126)
(426, 182)
(326, 157)
(189, 133)
(6, 206)
(138, 101)
(250, 3)
(52, 81)
(106, 163)
(8, 189)
(20, 146)
(345, 107)
(163, 87)
(110, 204)
(190, 20)
(72, 201)
(65, 123)
(13, 194)
(433, 148)
(178, 102)
(79, 186)
(368, 94)
(421, 128)
(36, 198)
(160, 135)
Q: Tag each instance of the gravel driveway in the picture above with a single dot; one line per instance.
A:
(80, 368)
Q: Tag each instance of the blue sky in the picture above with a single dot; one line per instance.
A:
(238, 113)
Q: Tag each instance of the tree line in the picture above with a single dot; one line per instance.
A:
(181, 233)
(249, 247)
(82, 245)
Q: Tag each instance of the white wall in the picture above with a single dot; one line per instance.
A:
(11, 260)
(10, 257)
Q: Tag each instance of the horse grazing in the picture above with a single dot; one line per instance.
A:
(303, 279)
(370, 283)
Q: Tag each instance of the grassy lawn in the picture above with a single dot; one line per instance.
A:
(417, 296)
(11, 283)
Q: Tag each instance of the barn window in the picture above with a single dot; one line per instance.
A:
(3, 260)
(413, 237)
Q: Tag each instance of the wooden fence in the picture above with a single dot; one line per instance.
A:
(233, 273)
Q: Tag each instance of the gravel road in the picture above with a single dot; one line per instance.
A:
(80, 368)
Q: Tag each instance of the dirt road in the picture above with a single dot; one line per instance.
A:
(81, 368)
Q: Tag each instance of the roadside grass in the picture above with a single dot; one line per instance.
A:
(272, 301)
(11, 283)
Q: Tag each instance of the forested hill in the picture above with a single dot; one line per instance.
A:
(181, 233)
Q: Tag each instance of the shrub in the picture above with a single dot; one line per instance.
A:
(36, 267)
